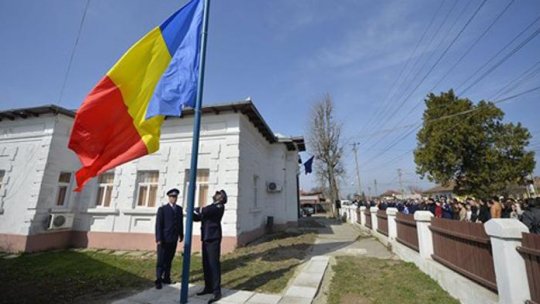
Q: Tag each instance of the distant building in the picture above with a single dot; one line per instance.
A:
(238, 153)
(390, 194)
(315, 200)
(440, 190)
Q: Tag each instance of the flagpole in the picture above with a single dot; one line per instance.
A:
(194, 158)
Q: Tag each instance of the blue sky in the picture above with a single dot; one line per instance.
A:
(286, 54)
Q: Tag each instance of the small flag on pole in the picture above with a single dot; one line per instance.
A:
(308, 165)
(120, 119)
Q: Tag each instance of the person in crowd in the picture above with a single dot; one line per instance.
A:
(531, 217)
(495, 207)
(468, 212)
(507, 208)
(475, 210)
(455, 208)
(438, 209)
(483, 212)
(462, 213)
(447, 210)
(514, 207)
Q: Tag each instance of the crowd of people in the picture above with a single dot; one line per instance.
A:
(470, 210)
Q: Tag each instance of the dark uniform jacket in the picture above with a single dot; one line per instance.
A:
(210, 218)
(169, 224)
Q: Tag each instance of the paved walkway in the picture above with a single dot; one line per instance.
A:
(334, 239)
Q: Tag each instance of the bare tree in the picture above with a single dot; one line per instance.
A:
(324, 140)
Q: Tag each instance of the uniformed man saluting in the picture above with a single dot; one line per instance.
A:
(210, 218)
(169, 231)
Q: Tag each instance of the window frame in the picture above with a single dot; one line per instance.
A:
(255, 191)
(198, 186)
(108, 189)
(148, 186)
(67, 186)
(2, 178)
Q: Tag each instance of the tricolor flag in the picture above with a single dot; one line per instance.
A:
(120, 119)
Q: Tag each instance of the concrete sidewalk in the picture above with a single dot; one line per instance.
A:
(302, 290)
(333, 239)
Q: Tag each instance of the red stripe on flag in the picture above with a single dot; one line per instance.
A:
(103, 134)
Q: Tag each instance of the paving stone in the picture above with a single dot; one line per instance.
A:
(11, 256)
(301, 292)
(315, 267)
(236, 296)
(120, 252)
(136, 253)
(261, 298)
(294, 300)
(308, 280)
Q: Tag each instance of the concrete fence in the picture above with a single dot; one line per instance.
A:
(459, 248)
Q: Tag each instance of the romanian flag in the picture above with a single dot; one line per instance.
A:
(120, 119)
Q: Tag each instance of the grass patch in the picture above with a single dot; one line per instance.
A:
(78, 276)
(371, 280)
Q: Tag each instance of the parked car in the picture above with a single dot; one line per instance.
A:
(307, 210)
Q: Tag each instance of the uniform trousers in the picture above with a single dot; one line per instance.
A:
(211, 265)
(165, 255)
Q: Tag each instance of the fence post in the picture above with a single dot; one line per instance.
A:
(354, 214)
(374, 222)
(510, 270)
(392, 226)
(425, 239)
(362, 216)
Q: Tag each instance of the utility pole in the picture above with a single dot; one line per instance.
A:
(357, 169)
(400, 183)
(375, 184)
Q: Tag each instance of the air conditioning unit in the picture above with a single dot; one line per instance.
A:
(61, 221)
(273, 187)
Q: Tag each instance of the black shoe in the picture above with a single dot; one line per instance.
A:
(158, 284)
(166, 281)
(203, 292)
(215, 298)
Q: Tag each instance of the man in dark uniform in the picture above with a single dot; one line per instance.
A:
(169, 231)
(210, 218)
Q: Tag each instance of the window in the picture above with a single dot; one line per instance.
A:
(255, 191)
(64, 181)
(105, 186)
(2, 174)
(147, 188)
(201, 189)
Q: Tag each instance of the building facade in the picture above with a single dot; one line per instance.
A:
(238, 153)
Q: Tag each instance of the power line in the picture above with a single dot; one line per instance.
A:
(73, 52)
(386, 118)
(473, 44)
(450, 116)
(515, 50)
(391, 92)
(499, 52)
(439, 59)
(519, 81)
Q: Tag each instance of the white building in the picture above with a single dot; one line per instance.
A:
(238, 152)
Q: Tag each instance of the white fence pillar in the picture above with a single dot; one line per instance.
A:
(392, 226)
(510, 270)
(354, 217)
(425, 239)
(362, 216)
(374, 222)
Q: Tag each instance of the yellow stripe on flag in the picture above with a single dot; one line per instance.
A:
(136, 74)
